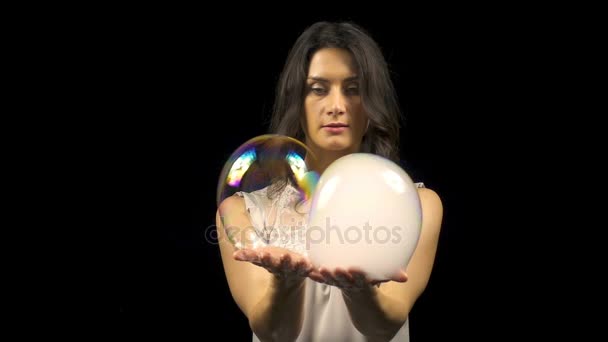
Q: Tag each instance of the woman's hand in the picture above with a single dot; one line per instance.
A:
(352, 279)
(288, 267)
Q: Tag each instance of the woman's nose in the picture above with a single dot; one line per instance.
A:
(337, 105)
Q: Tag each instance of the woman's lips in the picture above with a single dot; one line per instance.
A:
(335, 129)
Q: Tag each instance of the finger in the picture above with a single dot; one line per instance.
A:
(328, 277)
(299, 265)
(356, 272)
(285, 263)
(325, 273)
(307, 265)
(344, 278)
(401, 277)
(302, 268)
(266, 260)
(343, 282)
(342, 273)
(239, 255)
(316, 276)
(360, 280)
(302, 271)
(246, 255)
(273, 264)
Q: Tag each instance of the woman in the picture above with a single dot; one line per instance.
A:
(334, 94)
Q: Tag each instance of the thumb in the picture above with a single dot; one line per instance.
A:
(401, 277)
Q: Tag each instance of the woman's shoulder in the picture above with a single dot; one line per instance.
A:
(230, 204)
(425, 191)
(246, 200)
(239, 196)
(430, 200)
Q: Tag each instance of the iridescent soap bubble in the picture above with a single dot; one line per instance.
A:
(264, 193)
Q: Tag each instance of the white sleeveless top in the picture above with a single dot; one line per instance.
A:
(280, 221)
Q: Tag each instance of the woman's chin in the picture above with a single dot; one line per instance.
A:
(336, 145)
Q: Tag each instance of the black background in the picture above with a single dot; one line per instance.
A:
(183, 93)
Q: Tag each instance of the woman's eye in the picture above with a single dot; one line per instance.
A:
(352, 90)
(318, 91)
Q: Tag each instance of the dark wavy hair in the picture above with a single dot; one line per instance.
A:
(375, 85)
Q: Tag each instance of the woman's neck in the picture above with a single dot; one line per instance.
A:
(323, 158)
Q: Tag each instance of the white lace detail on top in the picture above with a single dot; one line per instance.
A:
(279, 221)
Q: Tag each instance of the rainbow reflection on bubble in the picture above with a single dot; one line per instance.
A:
(240, 166)
(296, 162)
(307, 183)
(265, 160)
(306, 180)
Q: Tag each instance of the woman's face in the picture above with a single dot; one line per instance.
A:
(335, 120)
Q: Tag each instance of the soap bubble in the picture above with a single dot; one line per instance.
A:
(264, 192)
(365, 213)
